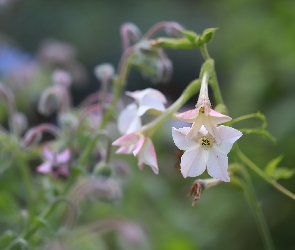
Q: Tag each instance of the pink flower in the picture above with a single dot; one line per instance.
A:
(204, 151)
(142, 147)
(56, 164)
(203, 115)
(129, 120)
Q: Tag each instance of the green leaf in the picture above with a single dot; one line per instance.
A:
(190, 35)
(7, 238)
(208, 35)
(278, 173)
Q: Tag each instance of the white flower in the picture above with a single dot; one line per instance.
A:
(203, 151)
(129, 120)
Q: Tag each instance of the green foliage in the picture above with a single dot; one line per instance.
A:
(276, 172)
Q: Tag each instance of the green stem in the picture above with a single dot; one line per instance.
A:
(119, 85)
(47, 212)
(257, 115)
(190, 90)
(264, 176)
(27, 178)
(256, 208)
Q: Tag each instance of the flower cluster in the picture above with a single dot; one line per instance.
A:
(206, 145)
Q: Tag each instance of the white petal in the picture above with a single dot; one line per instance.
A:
(228, 137)
(178, 136)
(193, 162)
(128, 120)
(195, 127)
(217, 164)
(150, 102)
(148, 156)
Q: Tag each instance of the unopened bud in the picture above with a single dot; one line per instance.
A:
(20, 121)
(174, 29)
(62, 77)
(104, 71)
(6, 93)
(52, 99)
(129, 31)
(103, 169)
(31, 138)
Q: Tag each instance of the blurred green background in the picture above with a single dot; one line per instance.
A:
(254, 50)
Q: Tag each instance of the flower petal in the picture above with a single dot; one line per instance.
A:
(48, 154)
(193, 162)
(63, 157)
(126, 140)
(44, 168)
(218, 118)
(148, 156)
(199, 121)
(228, 136)
(125, 150)
(217, 164)
(178, 136)
(188, 116)
(138, 145)
(150, 102)
(128, 120)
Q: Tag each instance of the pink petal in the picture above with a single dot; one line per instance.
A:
(63, 157)
(126, 140)
(193, 162)
(44, 168)
(217, 164)
(128, 120)
(138, 145)
(148, 156)
(178, 136)
(47, 154)
(229, 136)
(125, 149)
(188, 116)
(218, 118)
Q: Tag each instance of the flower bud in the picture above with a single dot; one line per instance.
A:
(104, 71)
(62, 78)
(129, 32)
(20, 121)
(174, 29)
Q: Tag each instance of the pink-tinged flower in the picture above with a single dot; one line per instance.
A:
(203, 115)
(56, 164)
(142, 147)
(203, 151)
(129, 120)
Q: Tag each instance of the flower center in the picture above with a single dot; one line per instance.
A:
(205, 142)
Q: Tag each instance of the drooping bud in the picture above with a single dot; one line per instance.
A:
(62, 78)
(54, 98)
(104, 71)
(171, 28)
(34, 135)
(129, 32)
(20, 122)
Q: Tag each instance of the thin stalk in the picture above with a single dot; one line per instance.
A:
(256, 208)
(124, 69)
(264, 176)
(27, 178)
(190, 90)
